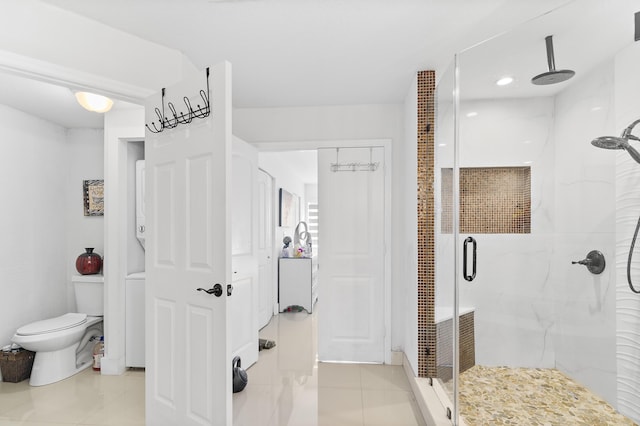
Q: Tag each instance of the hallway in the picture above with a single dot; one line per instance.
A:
(289, 387)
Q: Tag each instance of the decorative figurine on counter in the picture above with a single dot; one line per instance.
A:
(285, 249)
(302, 240)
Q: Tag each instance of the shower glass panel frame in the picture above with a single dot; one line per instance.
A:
(532, 308)
(445, 188)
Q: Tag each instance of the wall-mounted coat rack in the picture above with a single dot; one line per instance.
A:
(165, 122)
(354, 166)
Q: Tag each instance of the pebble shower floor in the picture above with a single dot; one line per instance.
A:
(530, 396)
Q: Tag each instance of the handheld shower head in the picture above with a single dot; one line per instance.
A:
(610, 142)
(622, 142)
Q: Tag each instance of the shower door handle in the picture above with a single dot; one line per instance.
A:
(465, 262)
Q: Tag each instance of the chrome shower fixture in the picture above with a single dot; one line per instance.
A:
(552, 76)
(622, 142)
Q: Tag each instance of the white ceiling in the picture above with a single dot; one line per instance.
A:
(338, 52)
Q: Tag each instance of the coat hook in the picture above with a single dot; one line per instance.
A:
(177, 118)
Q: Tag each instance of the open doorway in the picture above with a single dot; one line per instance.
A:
(294, 176)
(353, 274)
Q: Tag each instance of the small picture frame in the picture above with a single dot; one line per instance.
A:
(93, 194)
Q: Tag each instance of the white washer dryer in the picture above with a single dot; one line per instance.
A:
(134, 320)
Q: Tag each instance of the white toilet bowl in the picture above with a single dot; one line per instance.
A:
(63, 346)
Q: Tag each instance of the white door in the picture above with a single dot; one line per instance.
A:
(188, 365)
(351, 286)
(244, 236)
(265, 247)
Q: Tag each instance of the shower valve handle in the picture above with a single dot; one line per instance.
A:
(594, 262)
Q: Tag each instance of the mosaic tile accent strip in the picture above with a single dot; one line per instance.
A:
(444, 352)
(531, 396)
(493, 200)
(426, 225)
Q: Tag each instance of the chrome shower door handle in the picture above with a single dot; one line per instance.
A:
(465, 274)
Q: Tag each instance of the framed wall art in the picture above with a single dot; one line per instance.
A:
(288, 209)
(93, 194)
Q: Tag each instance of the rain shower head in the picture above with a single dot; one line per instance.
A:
(552, 76)
(622, 142)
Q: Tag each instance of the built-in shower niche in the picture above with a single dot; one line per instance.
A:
(493, 200)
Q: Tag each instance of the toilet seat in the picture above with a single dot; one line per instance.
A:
(52, 325)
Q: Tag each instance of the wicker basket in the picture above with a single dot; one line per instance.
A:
(16, 366)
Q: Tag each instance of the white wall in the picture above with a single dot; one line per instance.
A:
(342, 123)
(627, 178)
(42, 223)
(277, 165)
(408, 275)
(120, 128)
(85, 160)
(311, 193)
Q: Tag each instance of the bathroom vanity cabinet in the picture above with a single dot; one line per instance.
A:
(298, 282)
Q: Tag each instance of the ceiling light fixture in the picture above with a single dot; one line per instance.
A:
(93, 102)
(472, 114)
(504, 81)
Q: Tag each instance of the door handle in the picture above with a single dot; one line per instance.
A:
(216, 290)
(229, 289)
(473, 259)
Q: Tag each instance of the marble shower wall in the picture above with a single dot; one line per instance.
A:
(584, 306)
(627, 198)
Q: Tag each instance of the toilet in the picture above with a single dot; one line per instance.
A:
(64, 344)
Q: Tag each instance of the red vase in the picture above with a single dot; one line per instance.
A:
(89, 263)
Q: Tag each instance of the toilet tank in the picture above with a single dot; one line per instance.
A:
(89, 290)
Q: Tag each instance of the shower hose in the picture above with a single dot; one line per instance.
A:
(633, 243)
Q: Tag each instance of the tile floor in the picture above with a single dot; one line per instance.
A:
(84, 399)
(286, 387)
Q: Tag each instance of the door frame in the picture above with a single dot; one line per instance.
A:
(279, 146)
(124, 126)
(275, 252)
